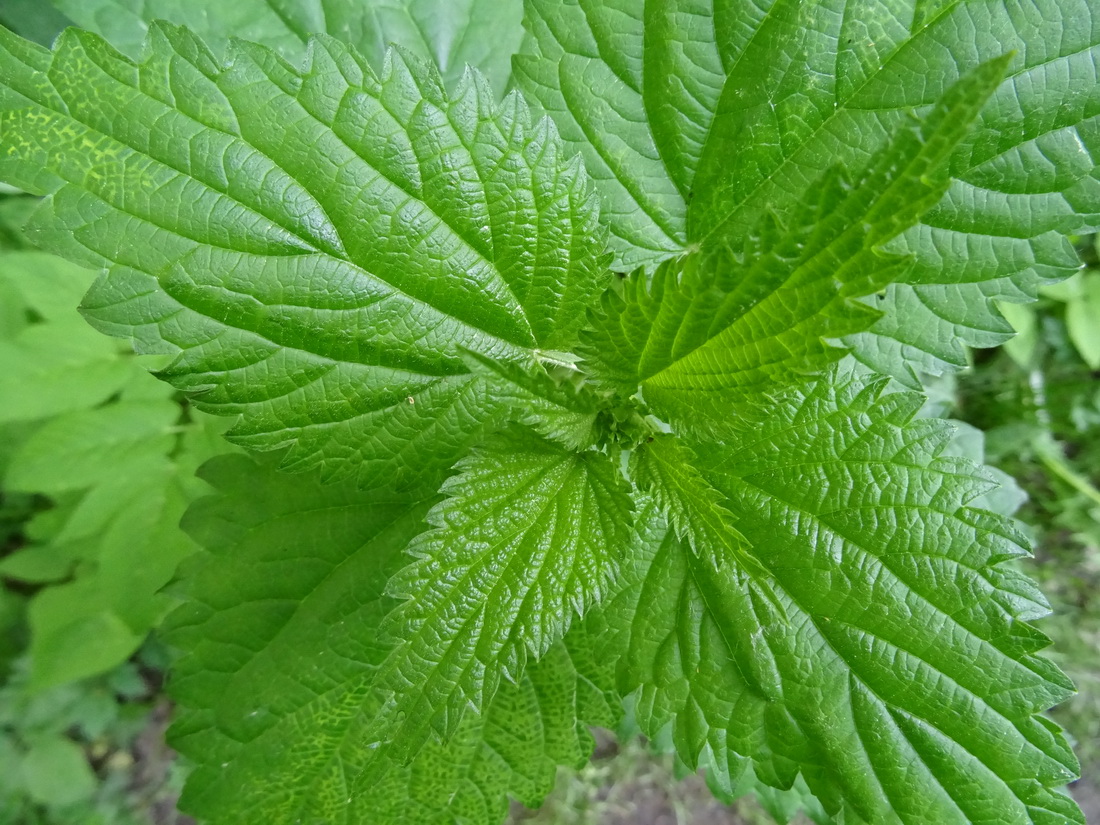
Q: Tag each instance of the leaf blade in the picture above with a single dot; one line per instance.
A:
(314, 284)
(803, 87)
(295, 566)
(716, 325)
(326, 552)
(479, 33)
(889, 581)
(529, 539)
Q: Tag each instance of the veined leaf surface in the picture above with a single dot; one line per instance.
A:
(530, 537)
(901, 678)
(374, 270)
(696, 116)
(296, 567)
(315, 246)
(711, 329)
(530, 728)
(451, 33)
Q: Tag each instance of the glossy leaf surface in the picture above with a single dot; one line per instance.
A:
(530, 537)
(298, 566)
(313, 246)
(451, 33)
(900, 678)
(696, 116)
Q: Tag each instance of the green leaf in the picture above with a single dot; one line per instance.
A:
(695, 117)
(15, 210)
(530, 728)
(81, 449)
(56, 772)
(558, 406)
(665, 469)
(452, 33)
(75, 635)
(125, 541)
(1083, 321)
(51, 361)
(530, 536)
(12, 606)
(297, 568)
(1065, 291)
(715, 325)
(275, 637)
(69, 366)
(37, 565)
(120, 539)
(785, 805)
(49, 287)
(903, 682)
(1025, 324)
(13, 312)
(319, 261)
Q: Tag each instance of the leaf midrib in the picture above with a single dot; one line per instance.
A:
(699, 569)
(662, 376)
(456, 231)
(313, 247)
(299, 605)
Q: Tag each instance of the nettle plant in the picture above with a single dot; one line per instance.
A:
(602, 393)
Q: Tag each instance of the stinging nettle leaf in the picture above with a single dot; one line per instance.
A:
(556, 406)
(313, 246)
(902, 682)
(695, 117)
(530, 536)
(276, 637)
(530, 728)
(280, 638)
(711, 329)
(665, 469)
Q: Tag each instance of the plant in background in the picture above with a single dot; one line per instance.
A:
(86, 425)
(97, 459)
(617, 379)
(65, 751)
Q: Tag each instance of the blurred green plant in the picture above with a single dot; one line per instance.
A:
(101, 457)
(66, 752)
(97, 462)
